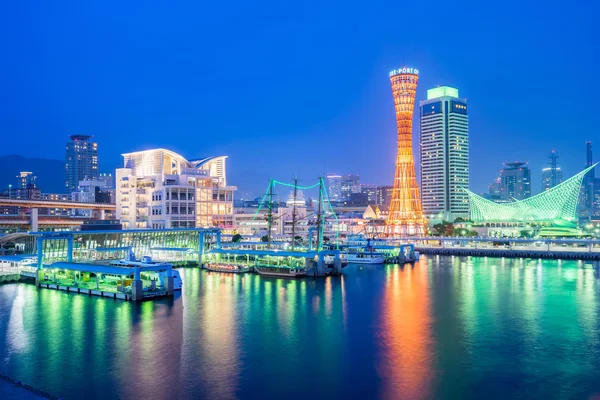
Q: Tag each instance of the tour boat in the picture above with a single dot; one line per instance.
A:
(267, 270)
(227, 267)
(364, 258)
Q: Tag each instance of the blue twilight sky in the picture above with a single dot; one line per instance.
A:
(297, 88)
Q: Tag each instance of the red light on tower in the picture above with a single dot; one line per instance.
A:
(406, 214)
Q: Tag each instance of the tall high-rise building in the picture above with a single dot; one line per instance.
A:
(384, 195)
(350, 184)
(552, 175)
(590, 179)
(406, 215)
(26, 180)
(515, 181)
(334, 182)
(370, 191)
(444, 145)
(81, 161)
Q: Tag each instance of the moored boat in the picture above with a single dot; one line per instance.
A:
(227, 267)
(268, 270)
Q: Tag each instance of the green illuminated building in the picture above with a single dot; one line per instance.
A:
(551, 206)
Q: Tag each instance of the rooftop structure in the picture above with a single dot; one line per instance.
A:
(557, 203)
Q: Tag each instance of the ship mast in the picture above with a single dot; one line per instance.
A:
(319, 216)
(270, 215)
(294, 214)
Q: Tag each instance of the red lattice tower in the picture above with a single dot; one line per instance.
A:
(406, 214)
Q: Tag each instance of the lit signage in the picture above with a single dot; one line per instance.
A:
(404, 70)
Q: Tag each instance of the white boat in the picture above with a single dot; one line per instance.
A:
(177, 282)
(364, 258)
(226, 267)
(268, 270)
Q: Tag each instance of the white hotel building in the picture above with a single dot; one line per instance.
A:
(444, 149)
(161, 189)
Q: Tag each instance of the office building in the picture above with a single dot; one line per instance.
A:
(552, 175)
(515, 181)
(334, 186)
(370, 191)
(350, 184)
(161, 189)
(81, 161)
(406, 214)
(26, 180)
(384, 195)
(444, 147)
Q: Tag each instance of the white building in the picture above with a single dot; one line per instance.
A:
(444, 145)
(161, 189)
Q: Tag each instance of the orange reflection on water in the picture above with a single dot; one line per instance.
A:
(406, 333)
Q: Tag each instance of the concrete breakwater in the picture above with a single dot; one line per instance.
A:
(511, 253)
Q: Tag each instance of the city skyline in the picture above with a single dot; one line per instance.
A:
(165, 88)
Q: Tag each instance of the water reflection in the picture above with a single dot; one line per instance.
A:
(406, 336)
(445, 328)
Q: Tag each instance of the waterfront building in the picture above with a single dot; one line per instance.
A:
(334, 186)
(444, 146)
(515, 181)
(161, 189)
(81, 161)
(384, 195)
(555, 204)
(406, 214)
(350, 184)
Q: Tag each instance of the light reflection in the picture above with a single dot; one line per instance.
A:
(406, 326)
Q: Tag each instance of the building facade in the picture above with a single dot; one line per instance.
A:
(81, 161)
(551, 177)
(384, 195)
(334, 187)
(350, 184)
(444, 148)
(515, 181)
(161, 189)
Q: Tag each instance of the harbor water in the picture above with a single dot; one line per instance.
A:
(445, 328)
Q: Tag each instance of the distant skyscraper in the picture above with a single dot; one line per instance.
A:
(26, 180)
(350, 184)
(549, 176)
(515, 181)
(552, 175)
(370, 191)
(444, 148)
(384, 195)
(406, 214)
(81, 161)
(335, 187)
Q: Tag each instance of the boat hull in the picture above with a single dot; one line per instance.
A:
(280, 272)
(227, 269)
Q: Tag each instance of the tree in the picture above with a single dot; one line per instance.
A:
(264, 238)
(236, 238)
(443, 229)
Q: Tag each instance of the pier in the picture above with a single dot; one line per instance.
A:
(567, 249)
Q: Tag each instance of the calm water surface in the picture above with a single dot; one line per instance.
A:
(445, 328)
